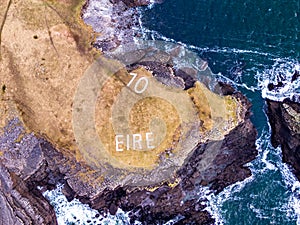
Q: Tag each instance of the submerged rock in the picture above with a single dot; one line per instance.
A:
(135, 3)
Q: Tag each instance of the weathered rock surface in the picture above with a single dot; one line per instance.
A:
(134, 3)
(165, 202)
(283, 110)
(116, 21)
(31, 73)
(21, 163)
(34, 41)
(36, 163)
(284, 118)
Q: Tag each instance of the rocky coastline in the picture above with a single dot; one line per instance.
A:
(166, 203)
(117, 21)
(33, 165)
(32, 160)
(284, 118)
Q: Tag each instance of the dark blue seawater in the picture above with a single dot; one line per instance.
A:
(247, 43)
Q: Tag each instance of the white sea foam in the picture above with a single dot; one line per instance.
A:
(259, 213)
(236, 84)
(264, 148)
(229, 191)
(282, 71)
(215, 202)
(213, 206)
(152, 4)
(292, 207)
(155, 35)
(294, 185)
(75, 212)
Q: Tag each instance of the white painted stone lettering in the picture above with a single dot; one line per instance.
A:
(118, 142)
(134, 142)
(127, 141)
(140, 85)
(149, 139)
(137, 140)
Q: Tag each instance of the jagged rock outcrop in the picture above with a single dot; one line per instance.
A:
(283, 110)
(134, 3)
(116, 22)
(21, 162)
(284, 118)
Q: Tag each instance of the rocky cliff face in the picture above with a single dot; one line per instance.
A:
(284, 118)
(21, 163)
(30, 165)
(166, 201)
(37, 145)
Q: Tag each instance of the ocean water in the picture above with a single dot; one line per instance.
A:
(248, 44)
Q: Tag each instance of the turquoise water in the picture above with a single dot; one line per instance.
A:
(246, 42)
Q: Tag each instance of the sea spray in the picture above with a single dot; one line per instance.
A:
(74, 212)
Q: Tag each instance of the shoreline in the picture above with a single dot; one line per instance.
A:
(116, 22)
(44, 165)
